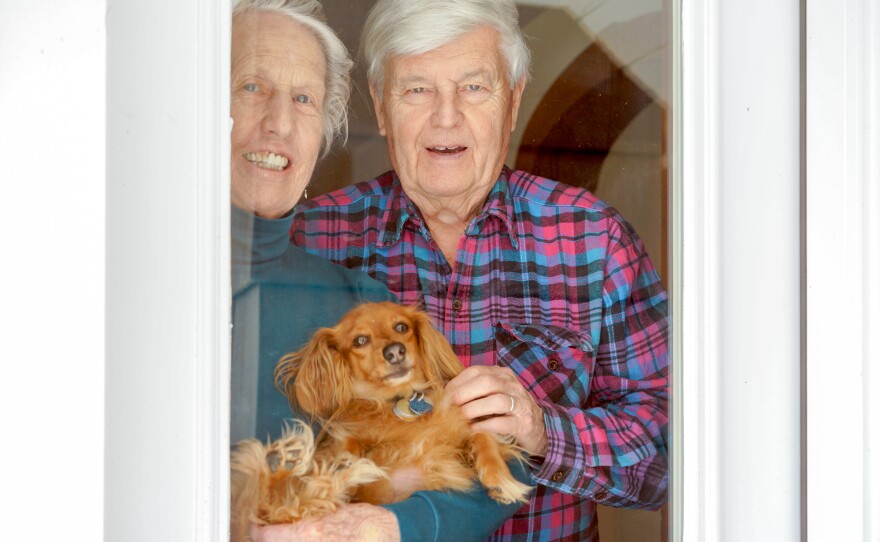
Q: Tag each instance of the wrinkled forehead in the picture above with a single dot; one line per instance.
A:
(261, 36)
(474, 52)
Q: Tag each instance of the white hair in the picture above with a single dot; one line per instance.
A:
(310, 14)
(411, 27)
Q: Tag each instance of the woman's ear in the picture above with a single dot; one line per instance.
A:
(315, 378)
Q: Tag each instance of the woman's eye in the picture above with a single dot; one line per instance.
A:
(303, 99)
(251, 87)
(473, 88)
(417, 90)
(400, 327)
(361, 340)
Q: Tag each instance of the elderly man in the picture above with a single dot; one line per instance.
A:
(546, 293)
(289, 95)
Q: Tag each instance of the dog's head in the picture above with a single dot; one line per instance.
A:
(377, 351)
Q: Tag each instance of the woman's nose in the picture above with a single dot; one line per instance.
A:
(278, 118)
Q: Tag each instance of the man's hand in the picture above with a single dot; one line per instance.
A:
(350, 523)
(496, 402)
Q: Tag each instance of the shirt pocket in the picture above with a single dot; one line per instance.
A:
(554, 363)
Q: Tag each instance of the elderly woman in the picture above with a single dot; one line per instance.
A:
(289, 96)
(545, 292)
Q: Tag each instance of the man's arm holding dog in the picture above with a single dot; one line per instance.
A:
(611, 448)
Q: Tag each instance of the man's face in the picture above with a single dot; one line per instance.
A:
(277, 99)
(448, 115)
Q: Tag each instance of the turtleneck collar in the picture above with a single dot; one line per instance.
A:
(258, 240)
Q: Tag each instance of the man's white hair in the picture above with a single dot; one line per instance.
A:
(407, 27)
(310, 14)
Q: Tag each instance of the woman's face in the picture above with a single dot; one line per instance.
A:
(277, 103)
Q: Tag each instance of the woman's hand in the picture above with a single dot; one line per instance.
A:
(352, 522)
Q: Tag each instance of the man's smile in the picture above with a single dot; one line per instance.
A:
(447, 150)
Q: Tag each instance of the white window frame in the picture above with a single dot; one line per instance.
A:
(776, 395)
(168, 284)
(842, 158)
(737, 383)
(743, 171)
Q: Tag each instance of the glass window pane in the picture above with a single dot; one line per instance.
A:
(594, 115)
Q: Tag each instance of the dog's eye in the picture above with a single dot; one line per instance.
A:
(400, 327)
(360, 340)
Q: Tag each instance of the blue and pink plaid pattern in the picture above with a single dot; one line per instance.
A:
(554, 284)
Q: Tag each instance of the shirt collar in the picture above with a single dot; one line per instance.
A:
(400, 210)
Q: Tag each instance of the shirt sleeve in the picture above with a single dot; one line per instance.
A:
(435, 516)
(613, 450)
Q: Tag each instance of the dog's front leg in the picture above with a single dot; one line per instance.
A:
(355, 447)
(493, 472)
(401, 483)
(376, 492)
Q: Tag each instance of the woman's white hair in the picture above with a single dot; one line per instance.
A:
(310, 14)
(407, 27)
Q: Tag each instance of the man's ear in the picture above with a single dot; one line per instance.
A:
(379, 107)
(515, 101)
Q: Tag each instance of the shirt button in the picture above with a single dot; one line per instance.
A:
(557, 476)
(456, 305)
(553, 364)
(601, 496)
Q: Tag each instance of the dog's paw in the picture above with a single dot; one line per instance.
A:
(293, 452)
(275, 459)
(504, 488)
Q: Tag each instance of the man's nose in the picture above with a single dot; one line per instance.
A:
(447, 109)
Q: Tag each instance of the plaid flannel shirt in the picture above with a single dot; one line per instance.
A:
(556, 285)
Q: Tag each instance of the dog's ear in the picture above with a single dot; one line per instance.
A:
(315, 378)
(441, 362)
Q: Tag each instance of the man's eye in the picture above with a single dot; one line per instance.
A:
(303, 99)
(473, 88)
(360, 340)
(417, 90)
(251, 87)
(400, 327)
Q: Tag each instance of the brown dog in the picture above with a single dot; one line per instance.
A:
(375, 381)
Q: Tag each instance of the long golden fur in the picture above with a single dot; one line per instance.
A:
(349, 378)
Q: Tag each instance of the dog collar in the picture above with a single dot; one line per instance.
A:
(409, 409)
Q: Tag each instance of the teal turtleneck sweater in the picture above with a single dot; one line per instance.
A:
(280, 295)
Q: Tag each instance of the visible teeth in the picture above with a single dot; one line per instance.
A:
(268, 160)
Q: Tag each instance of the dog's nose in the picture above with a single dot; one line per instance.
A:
(394, 353)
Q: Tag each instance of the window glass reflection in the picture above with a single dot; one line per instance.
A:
(593, 115)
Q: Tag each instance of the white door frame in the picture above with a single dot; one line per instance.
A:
(737, 287)
(842, 270)
(779, 252)
(168, 286)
